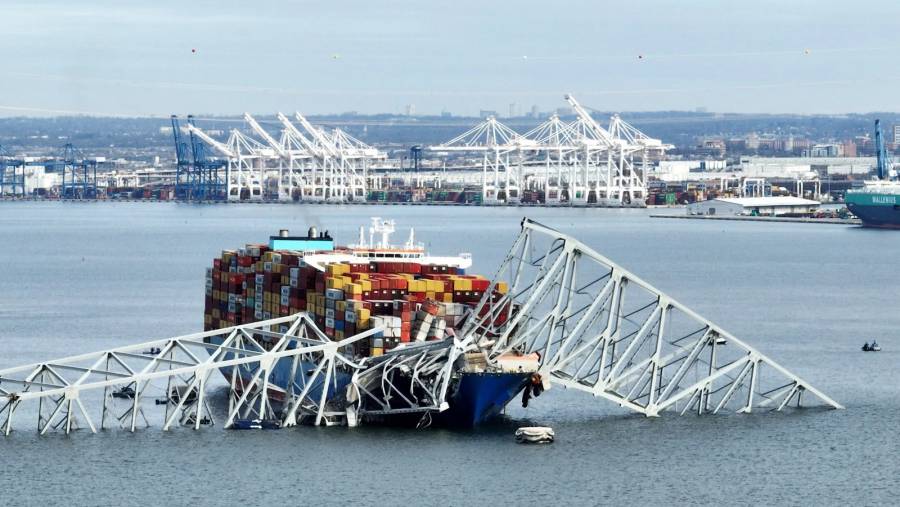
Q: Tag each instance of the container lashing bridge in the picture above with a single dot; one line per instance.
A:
(597, 328)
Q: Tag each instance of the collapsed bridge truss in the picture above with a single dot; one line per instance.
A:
(601, 329)
(597, 328)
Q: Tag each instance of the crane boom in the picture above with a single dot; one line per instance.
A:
(220, 147)
(599, 131)
(883, 165)
(290, 127)
(265, 135)
(324, 142)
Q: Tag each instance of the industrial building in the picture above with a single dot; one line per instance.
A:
(764, 206)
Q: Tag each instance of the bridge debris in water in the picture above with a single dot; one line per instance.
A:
(597, 328)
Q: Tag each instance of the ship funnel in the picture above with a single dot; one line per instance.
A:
(313, 232)
(283, 233)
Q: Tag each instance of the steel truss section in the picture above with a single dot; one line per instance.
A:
(410, 380)
(601, 329)
(176, 372)
(596, 327)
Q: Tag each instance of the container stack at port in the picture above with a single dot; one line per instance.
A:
(409, 301)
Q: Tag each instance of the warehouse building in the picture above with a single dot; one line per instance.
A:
(763, 206)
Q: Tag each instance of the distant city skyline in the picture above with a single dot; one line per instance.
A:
(166, 57)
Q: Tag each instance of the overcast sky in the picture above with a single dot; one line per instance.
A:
(329, 56)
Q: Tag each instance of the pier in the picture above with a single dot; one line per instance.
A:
(742, 218)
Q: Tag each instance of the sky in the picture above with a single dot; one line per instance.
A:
(161, 57)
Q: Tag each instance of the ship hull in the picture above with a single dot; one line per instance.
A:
(476, 399)
(875, 209)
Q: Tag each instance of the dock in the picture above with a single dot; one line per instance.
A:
(802, 220)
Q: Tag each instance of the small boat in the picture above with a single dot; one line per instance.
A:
(874, 347)
(535, 435)
(256, 424)
(152, 352)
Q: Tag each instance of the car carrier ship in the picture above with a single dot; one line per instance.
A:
(412, 296)
(877, 203)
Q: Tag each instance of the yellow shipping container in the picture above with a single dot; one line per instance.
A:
(377, 351)
(448, 297)
(333, 283)
(340, 306)
(337, 269)
(429, 295)
(366, 285)
(364, 314)
(502, 287)
(353, 288)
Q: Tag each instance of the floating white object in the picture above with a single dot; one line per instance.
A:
(535, 435)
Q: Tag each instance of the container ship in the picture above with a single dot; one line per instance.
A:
(412, 296)
(877, 204)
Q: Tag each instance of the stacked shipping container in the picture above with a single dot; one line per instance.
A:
(411, 301)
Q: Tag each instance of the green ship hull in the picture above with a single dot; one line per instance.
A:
(875, 208)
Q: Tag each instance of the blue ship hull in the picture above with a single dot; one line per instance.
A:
(875, 209)
(478, 397)
(481, 397)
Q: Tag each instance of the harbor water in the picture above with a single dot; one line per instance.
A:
(80, 277)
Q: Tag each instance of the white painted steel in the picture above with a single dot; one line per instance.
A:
(596, 327)
(305, 163)
(183, 365)
(579, 163)
(601, 329)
